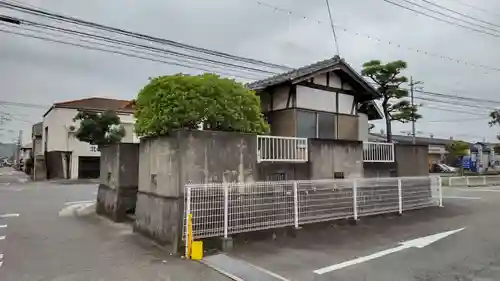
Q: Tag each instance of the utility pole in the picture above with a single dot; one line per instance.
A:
(18, 147)
(412, 88)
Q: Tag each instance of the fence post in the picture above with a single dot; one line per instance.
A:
(295, 205)
(226, 208)
(188, 212)
(440, 186)
(467, 181)
(393, 158)
(400, 197)
(355, 199)
(484, 180)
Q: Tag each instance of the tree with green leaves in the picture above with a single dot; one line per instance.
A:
(458, 149)
(495, 118)
(99, 128)
(388, 79)
(181, 101)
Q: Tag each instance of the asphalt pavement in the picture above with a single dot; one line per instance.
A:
(458, 242)
(48, 231)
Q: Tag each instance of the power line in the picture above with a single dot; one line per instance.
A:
(133, 45)
(120, 53)
(451, 110)
(333, 28)
(23, 104)
(454, 120)
(379, 40)
(441, 19)
(454, 104)
(459, 13)
(142, 46)
(456, 97)
(475, 7)
(73, 20)
(449, 16)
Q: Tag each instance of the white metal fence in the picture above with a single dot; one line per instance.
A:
(221, 209)
(378, 152)
(472, 180)
(281, 149)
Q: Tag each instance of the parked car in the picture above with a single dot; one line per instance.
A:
(441, 168)
(449, 168)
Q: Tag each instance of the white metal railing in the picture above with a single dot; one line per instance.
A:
(281, 149)
(221, 209)
(472, 180)
(378, 152)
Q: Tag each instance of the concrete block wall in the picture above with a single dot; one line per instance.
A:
(327, 157)
(167, 163)
(412, 160)
(117, 193)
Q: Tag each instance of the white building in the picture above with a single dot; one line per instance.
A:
(66, 156)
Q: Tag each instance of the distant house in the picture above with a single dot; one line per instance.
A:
(67, 157)
(327, 100)
(26, 151)
(437, 146)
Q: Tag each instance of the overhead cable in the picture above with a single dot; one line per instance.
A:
(123, 53)
(73, 20)
(379, 40)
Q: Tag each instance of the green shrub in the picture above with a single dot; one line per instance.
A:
(183, 101)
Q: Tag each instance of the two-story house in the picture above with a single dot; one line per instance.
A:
(327, 100)
(65, 156)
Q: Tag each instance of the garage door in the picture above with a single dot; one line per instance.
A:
(88, 167)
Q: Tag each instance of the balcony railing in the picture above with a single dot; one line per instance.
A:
(281, 149)
(378, 152)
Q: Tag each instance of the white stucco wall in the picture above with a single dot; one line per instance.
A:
(58, 120)
(363, 127)
(280, 97)
(316, 99)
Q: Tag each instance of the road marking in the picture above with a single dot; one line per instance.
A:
(72, 210)
(8, 216)
(79, 202)
(415, 243)
(477, 190)
(3, 225)
(462, 197)
(2, 237)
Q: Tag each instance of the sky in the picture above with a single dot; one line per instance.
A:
(41, 73)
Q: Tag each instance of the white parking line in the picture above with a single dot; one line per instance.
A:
(476, 190)
(2, 237)
(462, 197)
(3, 225)
(8, 216)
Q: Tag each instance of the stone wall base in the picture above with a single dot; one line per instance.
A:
(160, 219)
(116, 204)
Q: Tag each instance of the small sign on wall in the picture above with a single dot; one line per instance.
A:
(93, 148)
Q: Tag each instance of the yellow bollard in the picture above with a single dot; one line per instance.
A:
(197, 250)
(189, 235)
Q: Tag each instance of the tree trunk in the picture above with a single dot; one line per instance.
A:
(461, 166)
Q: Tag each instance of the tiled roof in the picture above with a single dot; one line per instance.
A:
(96, 103)
(301, 72)
(409, 139)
